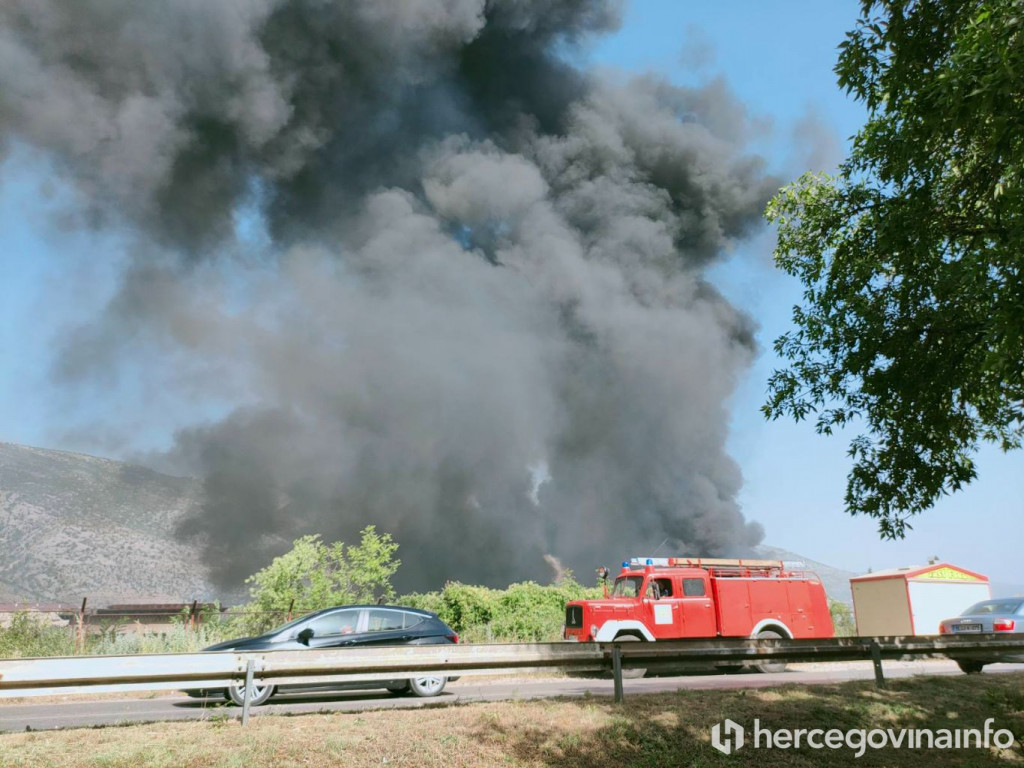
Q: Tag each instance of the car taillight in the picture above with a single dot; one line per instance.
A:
(1003, 625)
(453, 638)
(942, 629)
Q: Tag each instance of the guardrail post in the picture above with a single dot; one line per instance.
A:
(248, 691)
(80, 635)
(617, 672)
(876, 658)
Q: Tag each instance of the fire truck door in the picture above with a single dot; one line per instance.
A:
(697, 608)
(662, 610)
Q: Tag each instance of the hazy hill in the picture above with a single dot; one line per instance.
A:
(73, 526)
(836, 580)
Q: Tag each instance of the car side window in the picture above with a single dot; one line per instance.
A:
(384, 620)
(338, 623)
(413, 619)
(693, 588)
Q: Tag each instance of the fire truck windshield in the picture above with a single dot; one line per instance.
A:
(627, 586)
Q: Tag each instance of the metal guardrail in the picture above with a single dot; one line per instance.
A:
(33, 677)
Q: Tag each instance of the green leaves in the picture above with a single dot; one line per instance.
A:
(524, 612)
(911, 257)
(314, 575)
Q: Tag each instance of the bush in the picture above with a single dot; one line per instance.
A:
(315, 575)
(842, 618)
(525, 612)
(178, 639)
(30, 636)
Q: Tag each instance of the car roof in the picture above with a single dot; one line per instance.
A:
(375, 605)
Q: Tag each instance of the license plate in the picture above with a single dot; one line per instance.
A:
(967, 627)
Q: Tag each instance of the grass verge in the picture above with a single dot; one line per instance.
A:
(654, 730)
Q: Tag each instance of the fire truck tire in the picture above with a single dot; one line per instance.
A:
(971, 667)
(770, 666)
(631, 674)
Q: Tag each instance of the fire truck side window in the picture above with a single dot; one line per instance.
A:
(664, 587)
(693, 587)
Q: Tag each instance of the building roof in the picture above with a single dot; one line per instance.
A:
(935, 571)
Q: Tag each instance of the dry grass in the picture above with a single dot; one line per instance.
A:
(657, 731)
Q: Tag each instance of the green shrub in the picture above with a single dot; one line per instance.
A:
(524, 612)
(842, 618)
(30, 636)
(178, 639)
(425, 601)
(315, 575)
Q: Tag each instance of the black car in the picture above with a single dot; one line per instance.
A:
(347, 626)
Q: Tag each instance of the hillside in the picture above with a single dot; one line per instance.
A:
(73, 526)
(836, 580)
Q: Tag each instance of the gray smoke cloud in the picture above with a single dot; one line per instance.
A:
(479, 319)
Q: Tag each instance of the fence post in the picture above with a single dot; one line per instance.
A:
(80, 637)
(876, 658)
(248, 692)
(192, 616)
(617, 672)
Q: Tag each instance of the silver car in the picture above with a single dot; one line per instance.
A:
(1002, 615)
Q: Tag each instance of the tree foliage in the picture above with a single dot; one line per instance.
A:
(912, 323)
(524, 612)
(843, 620)
(317, 575)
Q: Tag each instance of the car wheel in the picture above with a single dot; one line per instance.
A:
(770, 666)
(970, 667)
(427, 686)
(260, 693)
(631, 674)
(398, 690)
(730, 669)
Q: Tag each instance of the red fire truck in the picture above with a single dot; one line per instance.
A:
(672, 598)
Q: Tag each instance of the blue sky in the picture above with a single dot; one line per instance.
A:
(778, 58)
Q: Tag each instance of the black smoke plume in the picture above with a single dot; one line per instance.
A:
(476, 314)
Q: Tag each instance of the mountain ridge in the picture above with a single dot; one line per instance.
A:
(75, 525)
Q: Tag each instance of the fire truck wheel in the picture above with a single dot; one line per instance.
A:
(770, 666)
(971, 667)
(631, 674)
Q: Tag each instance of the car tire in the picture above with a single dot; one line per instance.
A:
(398, 690)
(770, 667)
(631, 674)
(236, 695)
(971, 667)
(425, 687)
(730, 669)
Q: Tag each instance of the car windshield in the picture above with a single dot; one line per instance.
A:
(993, 606)
(627, 586)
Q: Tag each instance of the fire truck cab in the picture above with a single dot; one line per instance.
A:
(683, 597)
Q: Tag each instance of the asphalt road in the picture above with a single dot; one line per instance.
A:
(81, 711)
